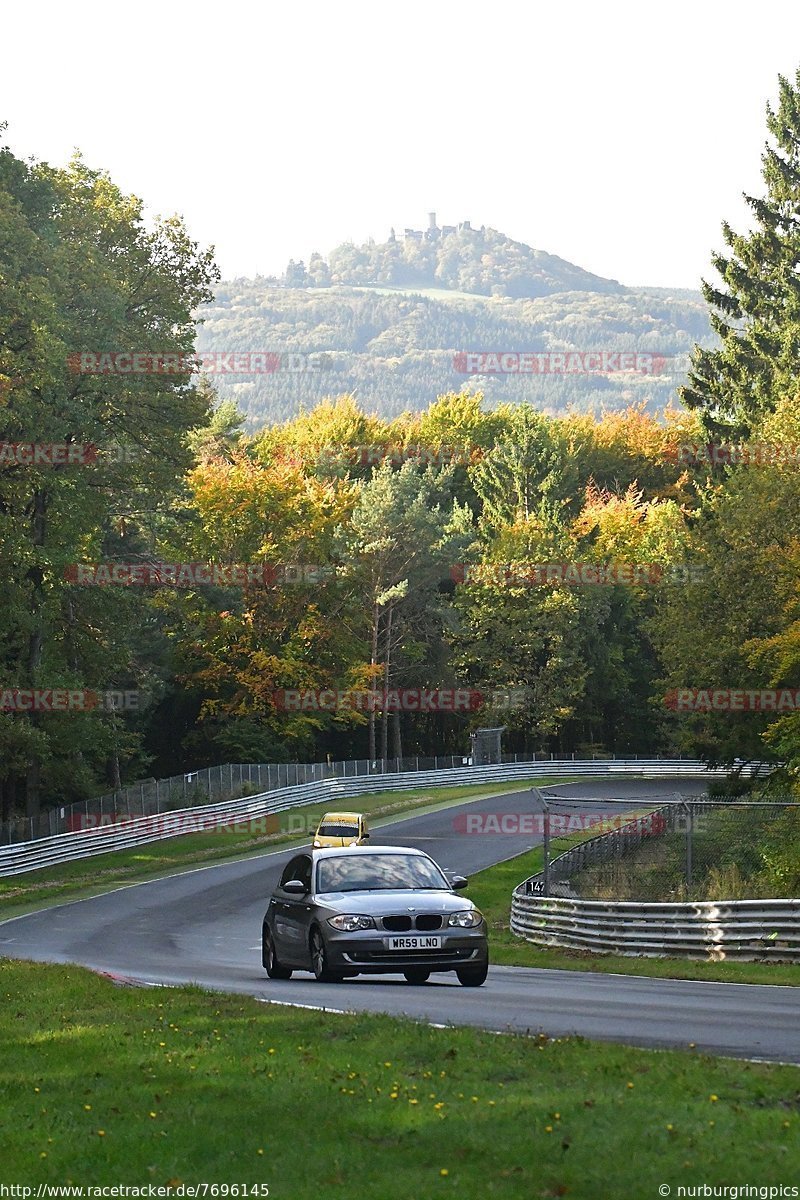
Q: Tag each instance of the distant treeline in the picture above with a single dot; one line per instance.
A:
(395, 351)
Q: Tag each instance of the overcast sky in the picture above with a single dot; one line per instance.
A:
(617, 135)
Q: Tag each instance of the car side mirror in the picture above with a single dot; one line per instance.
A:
(295, 887)
(365, 836)
(459, 882)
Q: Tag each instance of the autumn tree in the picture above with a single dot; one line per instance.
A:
(405, 533)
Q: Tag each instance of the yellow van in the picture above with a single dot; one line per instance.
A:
(341, 829)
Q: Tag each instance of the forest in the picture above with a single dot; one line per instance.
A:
(396, 348)
(621, 579)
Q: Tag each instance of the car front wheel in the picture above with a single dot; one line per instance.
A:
(270, 959)
(473, 976)
(319, 961)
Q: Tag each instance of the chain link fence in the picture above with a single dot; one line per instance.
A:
(691, 849)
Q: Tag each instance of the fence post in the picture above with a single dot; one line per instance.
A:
(689, 822)
(545, 842)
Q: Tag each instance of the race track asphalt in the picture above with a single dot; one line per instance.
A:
(203, 926)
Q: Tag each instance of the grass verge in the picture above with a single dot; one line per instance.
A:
(101, 1085)
(89, 876)
(491, 891)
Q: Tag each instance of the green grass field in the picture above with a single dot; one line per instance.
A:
(102, 1085)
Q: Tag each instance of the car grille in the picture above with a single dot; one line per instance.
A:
(429, 921)
(401, 924)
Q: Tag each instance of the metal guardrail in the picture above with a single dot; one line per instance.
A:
(711, 930)
(212, 785)
(136, 831)
(208, 785)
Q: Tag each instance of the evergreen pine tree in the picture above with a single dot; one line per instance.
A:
(756, 310)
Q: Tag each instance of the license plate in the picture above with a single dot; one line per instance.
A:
(415, 943)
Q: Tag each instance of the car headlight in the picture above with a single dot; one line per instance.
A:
(467, 919)
(350, 922)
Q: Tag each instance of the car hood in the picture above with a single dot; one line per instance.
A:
(379, 902)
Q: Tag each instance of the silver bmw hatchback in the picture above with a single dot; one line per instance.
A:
(372, 910)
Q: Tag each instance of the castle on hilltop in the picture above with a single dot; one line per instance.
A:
(433, 233)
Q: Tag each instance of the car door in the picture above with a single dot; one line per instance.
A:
(292, 913)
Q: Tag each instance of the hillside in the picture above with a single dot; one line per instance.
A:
(389, 320)
(479, 262)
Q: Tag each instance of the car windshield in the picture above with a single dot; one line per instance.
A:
(370, 872)
(340, 829)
